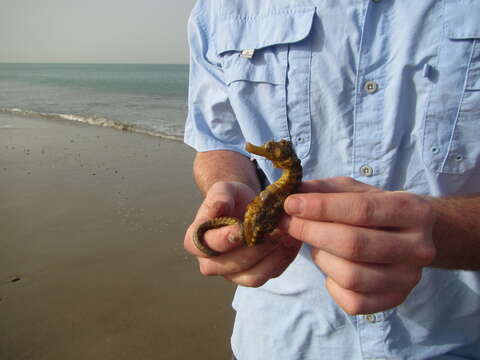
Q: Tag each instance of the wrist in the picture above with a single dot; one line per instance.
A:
(456, 233)
(224, 166)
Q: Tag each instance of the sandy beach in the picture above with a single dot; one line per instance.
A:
(92, 264)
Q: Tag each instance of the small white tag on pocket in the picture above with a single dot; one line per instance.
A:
(247, 54)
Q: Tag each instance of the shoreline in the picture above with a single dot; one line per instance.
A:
(89, 120)
(92, 263)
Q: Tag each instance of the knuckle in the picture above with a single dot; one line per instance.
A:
(422, 210)
(319, 206)
(253, 281)
(206, 268)
(313, 205)
(363, 210)
(354, 305)
(425, 254)
(426, 212)
(403, 200)
(352, 280)
(419, 208)
(354, 245)
(351, 302)
(302, 231)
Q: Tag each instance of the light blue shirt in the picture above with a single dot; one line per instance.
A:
(386, 92)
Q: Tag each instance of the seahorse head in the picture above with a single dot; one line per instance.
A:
(275, 151)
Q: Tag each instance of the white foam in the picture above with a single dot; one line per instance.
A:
(90, 120)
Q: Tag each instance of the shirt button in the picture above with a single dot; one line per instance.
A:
(366, 170)
(370, 87)
(370, 318)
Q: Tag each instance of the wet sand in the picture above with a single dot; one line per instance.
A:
(92, 264)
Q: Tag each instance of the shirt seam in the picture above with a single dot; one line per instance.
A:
(289, 11)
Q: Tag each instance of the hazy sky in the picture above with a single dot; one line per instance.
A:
(94, 31)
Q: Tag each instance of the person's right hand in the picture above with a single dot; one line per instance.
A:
(247, 266)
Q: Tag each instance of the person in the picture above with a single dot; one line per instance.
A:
(378, 255)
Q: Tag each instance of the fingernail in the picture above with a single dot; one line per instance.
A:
(293, 206)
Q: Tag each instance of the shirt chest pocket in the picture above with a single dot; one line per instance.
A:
(260, 55)
(452, 122)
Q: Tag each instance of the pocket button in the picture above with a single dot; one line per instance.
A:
(370, 87)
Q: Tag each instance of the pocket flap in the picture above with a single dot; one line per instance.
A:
(257, 32)
(462, 19)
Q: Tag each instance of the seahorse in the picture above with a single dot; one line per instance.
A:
(264, 212)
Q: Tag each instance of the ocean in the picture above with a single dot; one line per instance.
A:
(149, 99)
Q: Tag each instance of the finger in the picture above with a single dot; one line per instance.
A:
(221, 240)
(360, 244)
(365, 277)
(220, 201)
(336, 185)
(244, 258)
(215, 205)
(237, 260)
(373, 209)
(269, 267)
(355, 303)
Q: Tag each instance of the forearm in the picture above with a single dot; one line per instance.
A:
(222, 165)
(456, 232)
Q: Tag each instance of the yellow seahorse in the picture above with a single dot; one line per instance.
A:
(265, 210)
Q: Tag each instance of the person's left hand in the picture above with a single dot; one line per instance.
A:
(371, 244)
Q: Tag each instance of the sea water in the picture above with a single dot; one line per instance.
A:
(144, 98)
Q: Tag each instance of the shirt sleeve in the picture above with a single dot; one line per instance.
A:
(211, 123)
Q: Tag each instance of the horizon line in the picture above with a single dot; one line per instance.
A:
(89, 63)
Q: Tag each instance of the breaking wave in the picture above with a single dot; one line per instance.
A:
(92, 120)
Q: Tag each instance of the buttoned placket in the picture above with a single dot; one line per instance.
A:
(367, 141)
(369, 327)
(368, 127)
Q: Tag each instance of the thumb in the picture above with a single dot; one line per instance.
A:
(219, 201)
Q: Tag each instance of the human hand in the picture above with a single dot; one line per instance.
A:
(371, 244)
(247, 266)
